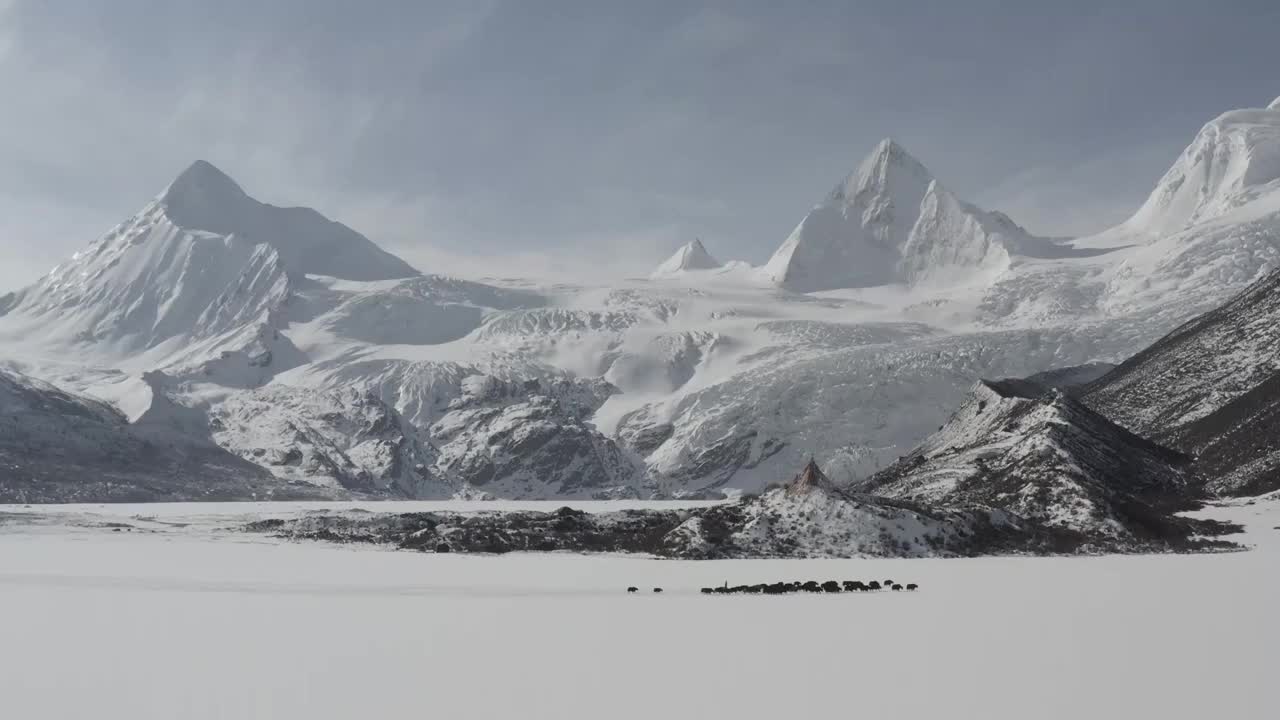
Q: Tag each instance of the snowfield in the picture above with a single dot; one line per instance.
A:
(182, 618)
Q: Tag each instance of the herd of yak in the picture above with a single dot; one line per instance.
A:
(812, 586)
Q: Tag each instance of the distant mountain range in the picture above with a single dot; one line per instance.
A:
(294, 349)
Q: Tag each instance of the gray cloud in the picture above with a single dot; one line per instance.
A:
(484, 136)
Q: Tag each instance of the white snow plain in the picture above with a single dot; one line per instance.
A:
(179, 618)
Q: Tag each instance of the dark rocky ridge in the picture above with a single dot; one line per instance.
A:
(1045, 457)
(808, 517)
(1210, 389)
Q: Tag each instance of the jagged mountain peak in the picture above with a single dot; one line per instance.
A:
(1275, 104)
(889, 167)
(691, 256)
(889, 222)
(203, 265)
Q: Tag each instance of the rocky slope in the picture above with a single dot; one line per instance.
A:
(1209, 387)
(807, 517)
(56, 446)
(1046, 458)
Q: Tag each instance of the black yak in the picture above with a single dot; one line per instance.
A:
(897, 587)
(707, 591)
(831, 586)
(633, 589)
(912, 586)
(657, 590)
(873, 585)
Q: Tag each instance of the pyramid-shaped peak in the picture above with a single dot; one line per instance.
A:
(888, 170)
(691, 256)
(889, 152)
(206, 199)
(810, 478)
(204, 180)
(890, 147)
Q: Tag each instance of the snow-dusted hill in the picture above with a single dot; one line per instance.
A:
(1045, 457)
(1210, 387)
(810, 516)
(297, 344)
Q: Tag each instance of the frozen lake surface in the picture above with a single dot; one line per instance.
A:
(180, 618)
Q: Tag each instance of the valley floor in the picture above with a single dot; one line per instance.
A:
(181, 618)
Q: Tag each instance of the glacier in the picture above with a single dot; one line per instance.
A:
(298, 345)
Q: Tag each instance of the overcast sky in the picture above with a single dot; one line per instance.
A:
(541, 135)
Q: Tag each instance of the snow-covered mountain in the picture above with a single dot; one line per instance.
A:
(1045, 457)
(891, 222)
(204, 198)
(297, 344)
(203, 273)
(1232, 161)
(690, 256)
